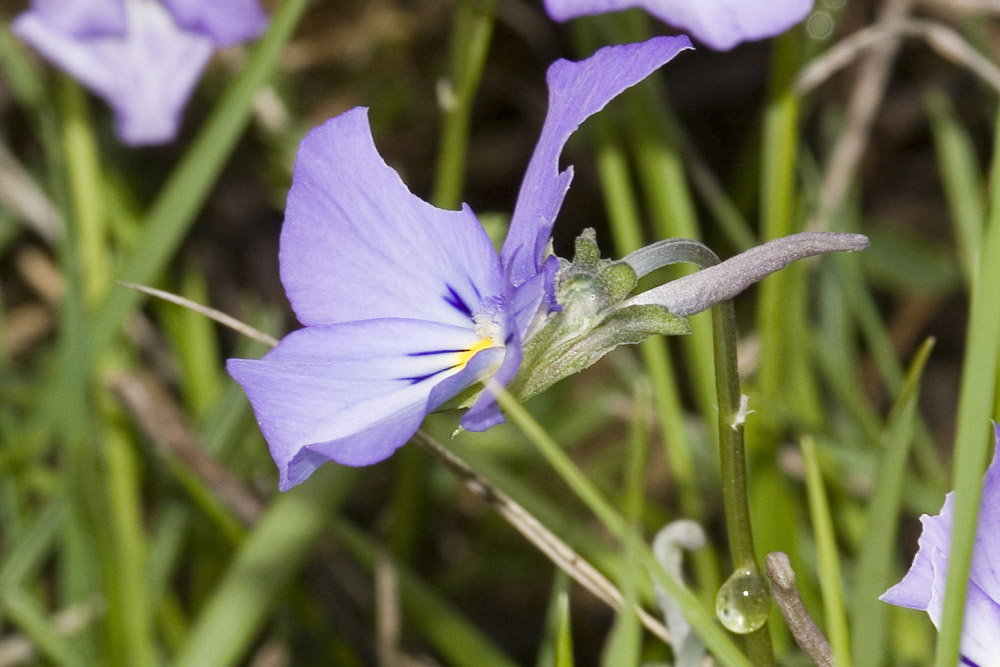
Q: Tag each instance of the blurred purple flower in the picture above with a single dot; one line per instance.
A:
(405, 305)
(143, 57)
(721, 24)
(923, 587)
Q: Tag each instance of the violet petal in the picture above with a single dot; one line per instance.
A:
(226, 22)
(354, 392)
(356, 244)
(577, 90)
(82, 18)
(146, 76)
(721, 24)
(923, 587)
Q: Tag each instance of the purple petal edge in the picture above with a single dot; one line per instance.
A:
(720, 24)
(226, 22)
(923, 586)
(577, 90)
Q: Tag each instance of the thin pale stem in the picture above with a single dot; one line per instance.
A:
(807, 635)
(715, 284)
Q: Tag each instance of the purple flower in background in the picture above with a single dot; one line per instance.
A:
(143, 57)
(923, 587)
(721, 24)
(406, 305)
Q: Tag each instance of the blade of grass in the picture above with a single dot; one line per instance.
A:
(975, 407)
(455, 638)
(624, 645)
(627, 233)
(702, 620)
(874, 570)
(471, 37)
(176, 207)
(831, 581)
(85, 182)
(28, 554)
(783, 371)
(192, 338)
(130, 615)
(227, 625)
(33, 621)
(960, 175)
(556, 647)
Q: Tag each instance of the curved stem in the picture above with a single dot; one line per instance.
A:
(655, 256)
(713, 287)
(700, 291)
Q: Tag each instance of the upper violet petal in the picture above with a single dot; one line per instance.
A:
(82, 18)
(577, 90)
(145, 75)
(353, 392)
(226, 22)
(721, 24)
(356, 244)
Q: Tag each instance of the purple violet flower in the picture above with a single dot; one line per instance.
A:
(143, 57)
(405, 305)
(923, 587)
(720, 24)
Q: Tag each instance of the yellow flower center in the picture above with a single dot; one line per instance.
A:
(465, 356)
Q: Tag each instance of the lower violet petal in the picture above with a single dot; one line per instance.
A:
(352, 392)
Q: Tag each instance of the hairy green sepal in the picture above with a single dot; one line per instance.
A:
(592, 322)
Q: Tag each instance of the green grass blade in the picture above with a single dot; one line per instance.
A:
(176, 207)
(33, 621)
(702, 620)
(192, 338)
(28, 554)
(123, 548)
(831, 581)
(458, 641)
(556, 648)
(874, 570)
(626, 231)
(471, 39)
(269, 557)
(960, 175)
(975, 407)
(85, 183)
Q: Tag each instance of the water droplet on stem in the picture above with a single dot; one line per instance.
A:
(743, 602)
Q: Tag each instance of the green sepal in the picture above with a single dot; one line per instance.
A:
(592, 322)
(624, 326)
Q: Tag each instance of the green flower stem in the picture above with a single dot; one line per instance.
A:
(83, 166)
(733, 460)
(732, 448)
